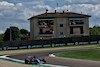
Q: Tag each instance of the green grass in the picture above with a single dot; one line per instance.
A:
(91, 54)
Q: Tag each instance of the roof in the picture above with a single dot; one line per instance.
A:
(59, 14)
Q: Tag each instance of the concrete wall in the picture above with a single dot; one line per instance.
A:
(36, 28)
(32, 29)
(86, 27)
(63, 29)
(67, 28)
(55, 28)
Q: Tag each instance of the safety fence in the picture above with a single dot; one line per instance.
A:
(50, 42)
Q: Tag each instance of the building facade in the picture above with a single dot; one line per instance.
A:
(59, 25)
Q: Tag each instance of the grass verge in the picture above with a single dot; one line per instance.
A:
(91, 54)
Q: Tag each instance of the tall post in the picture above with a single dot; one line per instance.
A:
(10, 33)
(67, 5)
(57, 6)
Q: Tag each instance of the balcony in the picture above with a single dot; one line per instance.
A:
(46, 23)
(76, 35)
(47, 33)
(43, 26)
(78, 24)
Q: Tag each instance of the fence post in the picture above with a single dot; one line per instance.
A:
(42, 45)
(89, 39)
(51, 42)
(41, 40)
(2, 48)
(74, 43)
(98, 42)
(66, 43)
(27, 46)
(18, 47)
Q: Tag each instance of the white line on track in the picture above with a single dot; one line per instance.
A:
(5, 57)
(53, 65)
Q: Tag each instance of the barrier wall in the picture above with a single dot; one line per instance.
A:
(52, 42)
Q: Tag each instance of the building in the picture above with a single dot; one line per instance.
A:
(59, 25)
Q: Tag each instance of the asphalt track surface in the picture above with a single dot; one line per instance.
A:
(57, 60)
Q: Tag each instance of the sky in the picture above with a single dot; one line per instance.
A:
(16, 12)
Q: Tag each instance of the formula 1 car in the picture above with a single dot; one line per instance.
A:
(34, 60)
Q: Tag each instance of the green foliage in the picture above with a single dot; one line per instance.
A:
(92, 30)
(15, 34)
(24, 31)
(1, 37)
(24, 34)
(7, 35)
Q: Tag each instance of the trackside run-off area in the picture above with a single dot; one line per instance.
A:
(90, 54)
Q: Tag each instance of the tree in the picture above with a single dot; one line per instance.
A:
(1, 37)
(24, 34)
(92, 30)
(15, 34)
(24, 31)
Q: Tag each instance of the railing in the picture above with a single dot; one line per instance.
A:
(76, 23)
(77, 34)
(43, 26)
(46, 34)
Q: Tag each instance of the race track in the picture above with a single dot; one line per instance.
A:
(59, 61)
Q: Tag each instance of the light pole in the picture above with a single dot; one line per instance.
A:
(10, 33)
(95, 24)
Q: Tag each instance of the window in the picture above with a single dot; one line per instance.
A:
(61, 25)
(71, 30)
(61, 33)
(41, 31)
(81, 28)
